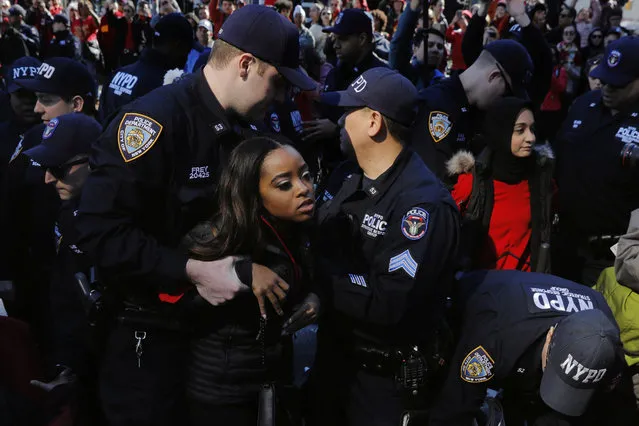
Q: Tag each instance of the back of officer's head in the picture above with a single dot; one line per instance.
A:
(174, 37)
(373, 118)
(64, 152)
(503, 68)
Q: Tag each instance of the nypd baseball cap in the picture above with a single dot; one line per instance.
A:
(371, 90)
(620, 65)
(24, 68)
(264, 33)
(515, 61)
(61, 76)
(585, 354)
(65, 137)
(351, 21)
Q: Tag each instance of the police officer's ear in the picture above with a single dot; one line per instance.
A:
(375, 125)
(363, 39)
(78, 103)
(245, 62)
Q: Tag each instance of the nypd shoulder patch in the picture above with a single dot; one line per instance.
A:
(18, 149)
(478, 366)
(137, 134)
(439, 125)
(415, 223)
(403, 261)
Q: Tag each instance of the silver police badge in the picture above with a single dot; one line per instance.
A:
(613, 58)
(439, 125)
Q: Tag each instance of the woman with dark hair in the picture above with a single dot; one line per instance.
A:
(266, 202)
(570, 58)
(505, 196)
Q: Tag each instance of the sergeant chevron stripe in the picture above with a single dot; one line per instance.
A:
(358, 280)
(403, 261)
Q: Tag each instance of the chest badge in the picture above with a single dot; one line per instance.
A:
(478, 366)
(439, 125)
(137, 134)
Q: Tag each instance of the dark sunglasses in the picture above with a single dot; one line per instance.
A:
(596, 36)
(60, 172)
(564, 15)
(509, 89)
(491, 34)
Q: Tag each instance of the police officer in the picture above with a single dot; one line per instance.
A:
(448, 115)
(21, 116)
(172, 42)
(29, 207)
(595, 165)
(155, 169)
(387, 239)
(27, 33)
(63, 43)
(352, 37)
(64, 155)
(552, 345)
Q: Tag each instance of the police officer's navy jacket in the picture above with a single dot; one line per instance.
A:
(63, 43)
(598, 192)
(133, 81)
(506, 315)
(387, 249)
(444, 124)
(155, 169)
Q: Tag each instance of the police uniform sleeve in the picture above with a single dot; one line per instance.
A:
(472, 367)
(415, 249)
(433, 137)
(125, 197)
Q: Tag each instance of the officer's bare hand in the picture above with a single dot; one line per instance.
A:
(305, 314)
(268, 285)
(216, 281)
(319, 129)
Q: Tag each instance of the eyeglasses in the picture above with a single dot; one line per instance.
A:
(569, 33)
(509, 89)
(564, 15)
(596, 36)
(60, 172)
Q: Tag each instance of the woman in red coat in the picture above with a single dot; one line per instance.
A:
(505, 196)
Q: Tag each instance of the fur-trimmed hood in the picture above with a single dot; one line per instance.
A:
(464, 161)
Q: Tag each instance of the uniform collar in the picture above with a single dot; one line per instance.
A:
(458, 92)
(219, 123)
(154, 57)
(379, 186)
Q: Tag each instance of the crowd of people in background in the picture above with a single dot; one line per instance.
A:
(505, 104)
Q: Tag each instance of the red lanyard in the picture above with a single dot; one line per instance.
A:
(296, 269)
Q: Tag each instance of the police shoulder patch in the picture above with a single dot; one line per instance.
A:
(478, 366)
(137, 134)
(415, 223)
(439, 125)
(50, 128)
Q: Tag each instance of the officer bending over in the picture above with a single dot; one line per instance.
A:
(388, 237)
(155, 170)
(551, 344)
(64, 155)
